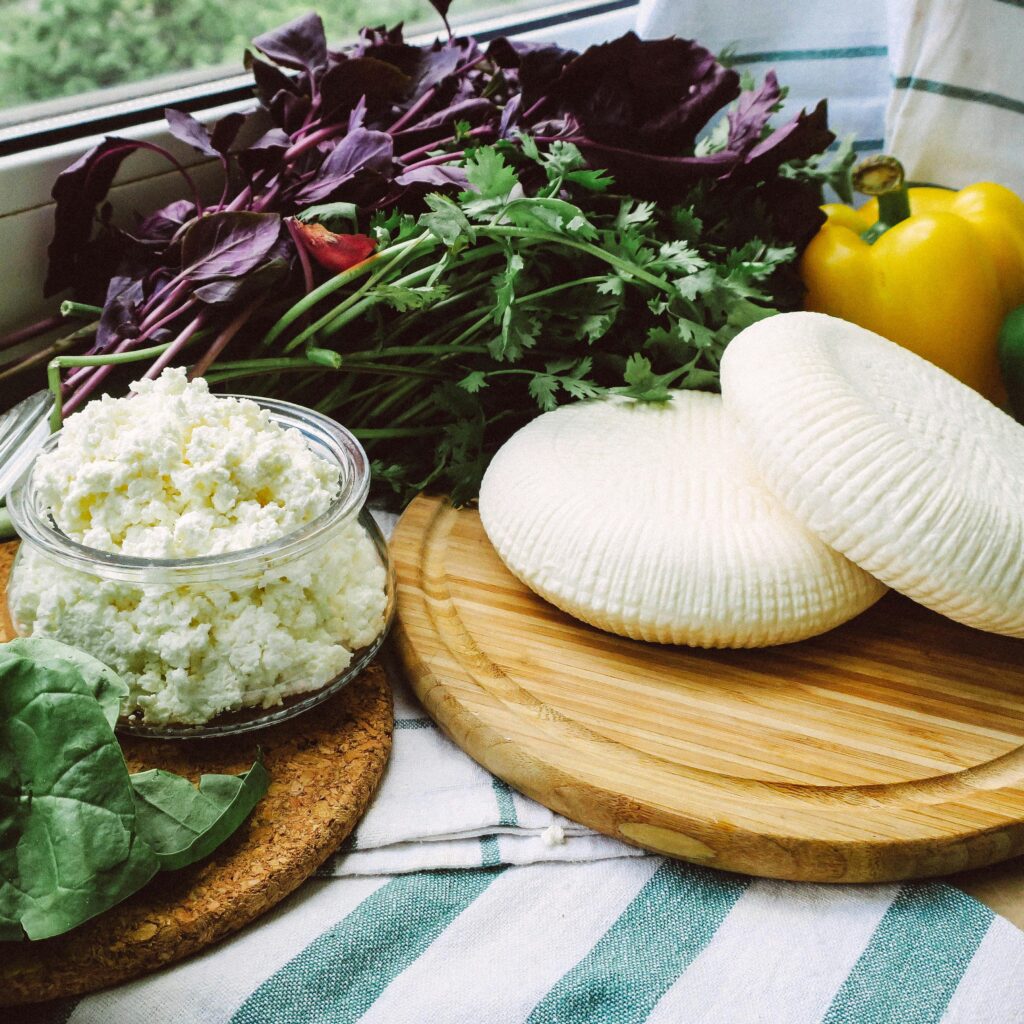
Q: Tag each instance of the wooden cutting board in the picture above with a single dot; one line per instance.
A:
(324, 766)
(889, 748)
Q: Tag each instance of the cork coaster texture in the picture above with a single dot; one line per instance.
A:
(324, 767)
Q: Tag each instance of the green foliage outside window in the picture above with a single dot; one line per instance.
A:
(52, 48)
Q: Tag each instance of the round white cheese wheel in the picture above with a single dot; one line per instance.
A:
(890, 460)
(648, 520)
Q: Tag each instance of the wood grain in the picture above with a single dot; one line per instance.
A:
(890, 748)
(324, 767)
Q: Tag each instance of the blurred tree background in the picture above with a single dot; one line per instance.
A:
(53, 48)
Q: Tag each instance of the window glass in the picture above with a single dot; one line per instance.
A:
(52, 50)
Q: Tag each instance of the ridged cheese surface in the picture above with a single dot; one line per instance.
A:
(649, 521)
(912, 475)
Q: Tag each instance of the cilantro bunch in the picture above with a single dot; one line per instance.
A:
(538, 283)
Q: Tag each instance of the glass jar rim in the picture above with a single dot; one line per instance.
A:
(36, 527)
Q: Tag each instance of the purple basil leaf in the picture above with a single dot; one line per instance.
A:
(361, 150)
(228, 243)
(301, 44)
(77, 191)
(538, 65)
(510, 115)
(265, 152)
(289, 111)
(653, 95)
(801, 138)
(439, 175)
(346, 82)
(163, 224)
(225, 131)
(188, 130)
(120, 317)
(222, 290)
(269, 78)
(439, 61)
(357, 115)
(747, 122)
(388, 45)
(270, 272)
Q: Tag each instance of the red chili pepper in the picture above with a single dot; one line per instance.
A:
(334, 252)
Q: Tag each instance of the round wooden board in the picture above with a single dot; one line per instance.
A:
(324, 766)
(889, 748)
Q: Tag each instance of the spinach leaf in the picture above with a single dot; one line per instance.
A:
(68, 848)
(51, 655)
(77, 833)
(184, 824)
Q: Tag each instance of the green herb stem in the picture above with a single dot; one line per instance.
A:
(59, 363)
(80, 309)
(625, 266)
(329, 287)
(380, 433)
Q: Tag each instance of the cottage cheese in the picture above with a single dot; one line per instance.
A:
(177, 472)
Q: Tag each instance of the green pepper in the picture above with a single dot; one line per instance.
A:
(1011, 359)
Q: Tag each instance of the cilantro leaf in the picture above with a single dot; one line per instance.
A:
(543, 387)
(643, 383)
(489, 174)
(446, 221)
(474, 381)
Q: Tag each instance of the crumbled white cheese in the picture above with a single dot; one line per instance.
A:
(553, 835)
(175, 472)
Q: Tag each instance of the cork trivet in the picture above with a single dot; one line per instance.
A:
(324, 766)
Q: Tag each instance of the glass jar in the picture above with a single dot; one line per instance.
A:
(224, 643)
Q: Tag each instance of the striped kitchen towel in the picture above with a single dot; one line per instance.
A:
(617, 941)
(818, 48)
(956, 114)
(436, 808)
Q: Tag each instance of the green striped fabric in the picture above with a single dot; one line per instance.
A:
(338, 977)
(825, 53)
(960, 92)
(915, 959)
(907, 973)
(657, 936)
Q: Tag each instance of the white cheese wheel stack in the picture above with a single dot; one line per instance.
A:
(835, 463)
(649, 521)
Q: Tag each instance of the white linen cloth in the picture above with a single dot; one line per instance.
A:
(436, 808)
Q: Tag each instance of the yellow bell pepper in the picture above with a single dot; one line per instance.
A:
(930, 268)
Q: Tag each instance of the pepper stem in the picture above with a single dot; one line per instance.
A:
(883, 177)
